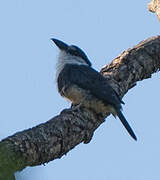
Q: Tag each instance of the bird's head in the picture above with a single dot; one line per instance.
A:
(72, 53)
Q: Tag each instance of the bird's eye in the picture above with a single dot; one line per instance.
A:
(76, 51)
(72, 48)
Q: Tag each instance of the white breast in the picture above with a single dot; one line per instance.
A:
(65, 58)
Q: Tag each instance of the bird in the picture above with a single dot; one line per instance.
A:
(81, 84)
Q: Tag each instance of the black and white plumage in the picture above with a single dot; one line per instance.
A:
(81, 84)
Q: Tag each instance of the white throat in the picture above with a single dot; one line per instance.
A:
(65, 58)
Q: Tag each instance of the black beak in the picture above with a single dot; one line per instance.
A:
(60, 44)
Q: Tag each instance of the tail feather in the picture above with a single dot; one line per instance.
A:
(125, 124)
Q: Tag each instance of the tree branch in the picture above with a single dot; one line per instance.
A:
(154, 6)
(62, 133)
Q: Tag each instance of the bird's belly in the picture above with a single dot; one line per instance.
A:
(83, 97)
(74, 94)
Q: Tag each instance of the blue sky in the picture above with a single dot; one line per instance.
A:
(29, 95)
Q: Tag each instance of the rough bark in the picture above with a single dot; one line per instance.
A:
(154, 6)
(59, 135)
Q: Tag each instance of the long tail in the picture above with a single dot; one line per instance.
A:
(126, 125)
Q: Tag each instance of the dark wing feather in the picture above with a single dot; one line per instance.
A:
(89, 79)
